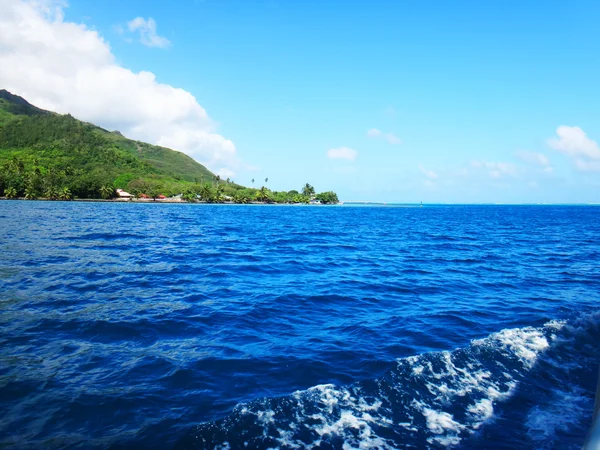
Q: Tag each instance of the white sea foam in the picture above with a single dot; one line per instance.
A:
(454, 394)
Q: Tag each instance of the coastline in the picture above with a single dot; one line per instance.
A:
(165, 200)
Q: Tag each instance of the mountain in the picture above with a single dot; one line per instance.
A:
(68, 153)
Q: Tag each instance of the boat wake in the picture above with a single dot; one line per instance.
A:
(532, 387)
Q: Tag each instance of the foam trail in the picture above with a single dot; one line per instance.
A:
(433, 400)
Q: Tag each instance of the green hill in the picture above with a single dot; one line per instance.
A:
(45, 150)
(48, 155)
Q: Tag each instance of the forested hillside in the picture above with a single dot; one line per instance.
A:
(40, 148)
(48, 155)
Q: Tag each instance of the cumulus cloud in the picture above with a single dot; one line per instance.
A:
(495, 170)
(69, 68)
(342, 153)
(146, 29)
(574, 142)
(378, 134)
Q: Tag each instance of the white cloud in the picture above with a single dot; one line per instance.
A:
(534, 158)
(390, 137)
(342, 153)
(225, 173)
(495, 170)
(147, 32)
(430, 174)
(573, 142)
(68, 68)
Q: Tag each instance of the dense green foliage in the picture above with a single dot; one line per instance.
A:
(37, 144)
(53, 156)
(328, 197)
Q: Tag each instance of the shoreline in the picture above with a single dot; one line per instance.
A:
(348, 204)
(151, 201)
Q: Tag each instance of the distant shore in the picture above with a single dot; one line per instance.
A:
(163, 200)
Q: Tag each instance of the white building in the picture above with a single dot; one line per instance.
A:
(122, 194)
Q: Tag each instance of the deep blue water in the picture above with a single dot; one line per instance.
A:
(196, 326)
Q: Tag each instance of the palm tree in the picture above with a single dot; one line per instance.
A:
(51, 193)
(219, 194)
(240, 197)
(11, 193)
(308, 190)
(205, 192)
(65, 194)
(107, 192)
(29, 193)
(263, 195)
(228, 180)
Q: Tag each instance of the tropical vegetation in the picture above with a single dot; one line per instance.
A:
(57, 157)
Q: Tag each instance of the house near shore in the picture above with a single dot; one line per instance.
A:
(144, 196)
(122, 194)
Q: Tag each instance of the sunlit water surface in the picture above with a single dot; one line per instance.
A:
(196, 326)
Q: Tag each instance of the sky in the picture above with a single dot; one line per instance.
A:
(392, 101)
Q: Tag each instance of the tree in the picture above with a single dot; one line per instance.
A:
(328, 197)
(263, 195)
(206, 193)
(10, 193)
(281, 197)
(189, 195)
(107, 192)
(308, 190)
(155, 190)
(241, 196)
(51, 193)
(301, 199)
(30, 193)
(65, 194)
(219, 193)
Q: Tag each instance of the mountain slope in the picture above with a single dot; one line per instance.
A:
(85, 155)
(12, 106)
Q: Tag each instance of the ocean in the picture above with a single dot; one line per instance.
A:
(248, 326)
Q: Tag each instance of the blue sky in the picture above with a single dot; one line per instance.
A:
(419, 100)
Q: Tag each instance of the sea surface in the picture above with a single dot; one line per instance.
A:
(221, 326)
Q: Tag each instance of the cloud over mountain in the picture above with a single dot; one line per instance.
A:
(67, 67)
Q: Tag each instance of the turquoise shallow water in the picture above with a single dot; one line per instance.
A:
(195, 326)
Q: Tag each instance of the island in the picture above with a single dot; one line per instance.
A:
(51, 156)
